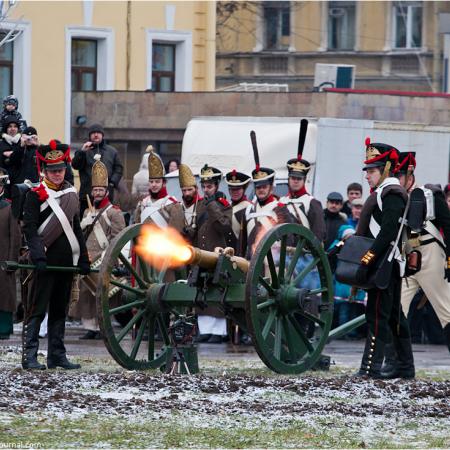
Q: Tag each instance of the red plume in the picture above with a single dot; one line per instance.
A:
(233, 172)
(367, 141)
(53, 144)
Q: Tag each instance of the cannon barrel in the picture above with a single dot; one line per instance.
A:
(208, 260)
(12, 266)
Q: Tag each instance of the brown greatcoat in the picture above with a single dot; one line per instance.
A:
(9, 250)
(86, 306)
(214, 230)
(183, 219)
(214, 225)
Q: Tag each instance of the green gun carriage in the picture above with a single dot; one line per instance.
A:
(289, 325)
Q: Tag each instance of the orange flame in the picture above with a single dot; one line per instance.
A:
(163, 247)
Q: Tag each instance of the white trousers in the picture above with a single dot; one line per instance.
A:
(43, 328)
(431, 279)
(90, 324)
(212, 325)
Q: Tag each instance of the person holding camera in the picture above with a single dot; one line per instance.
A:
(84, 159)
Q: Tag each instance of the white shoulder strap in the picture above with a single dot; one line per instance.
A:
(64, 221)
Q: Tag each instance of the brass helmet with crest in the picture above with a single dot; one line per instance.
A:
(155, 165)
(186, 177)
(99, 175)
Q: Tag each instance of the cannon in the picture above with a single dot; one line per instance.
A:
(289, 324)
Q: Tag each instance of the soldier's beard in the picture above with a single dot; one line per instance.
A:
(188, 199)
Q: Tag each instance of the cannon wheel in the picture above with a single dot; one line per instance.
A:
(280, 333)
(134, 351)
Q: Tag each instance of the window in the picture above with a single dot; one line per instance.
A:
(84, 65)
(408, 24)
(163, 67)
(341, 25)
(277, 28)
(6, 68)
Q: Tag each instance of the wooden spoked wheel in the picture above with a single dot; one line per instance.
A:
(289, 298)
(127, 276)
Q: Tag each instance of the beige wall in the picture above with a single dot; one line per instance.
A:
(48, 22)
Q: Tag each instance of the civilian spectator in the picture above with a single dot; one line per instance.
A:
(354, 190)
(447, 194)
(23, 160)
(333, 216)
(10, 109)
(9, 143)
(139, 188)
(84, 160)
(172, 165)
(356, 208)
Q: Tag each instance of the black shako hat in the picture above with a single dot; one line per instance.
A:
(380, 155)
(406, 162)
(53, 156)
(299, 167)
(237, 179)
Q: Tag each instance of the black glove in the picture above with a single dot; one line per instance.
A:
(41, 265)
(85, 268)
(361, 274)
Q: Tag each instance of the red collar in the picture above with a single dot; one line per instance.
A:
(103, 203)
(268, 200)
(161, 194)
(197, 198)
(243, 198)
(297, 194)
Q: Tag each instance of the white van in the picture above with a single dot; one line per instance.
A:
(224, 142)
(334, 147)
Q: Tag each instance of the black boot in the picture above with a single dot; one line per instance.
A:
(404, 367)
(56, 355)
(30, 344)
(447, 335)
(372, 358)
(390, 361)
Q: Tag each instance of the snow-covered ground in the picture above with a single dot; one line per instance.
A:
(248, 398)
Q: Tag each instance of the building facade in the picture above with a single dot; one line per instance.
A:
(395, 45)
(69, 46)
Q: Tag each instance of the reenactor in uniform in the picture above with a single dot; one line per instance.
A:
(380, 220)
(183, 215)
(306, 210)
(214, 230)
(53, 234)
(101, 222)
(237, 185)
(266, 210)
(433, 244)
(150, 209)
(9, 249)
